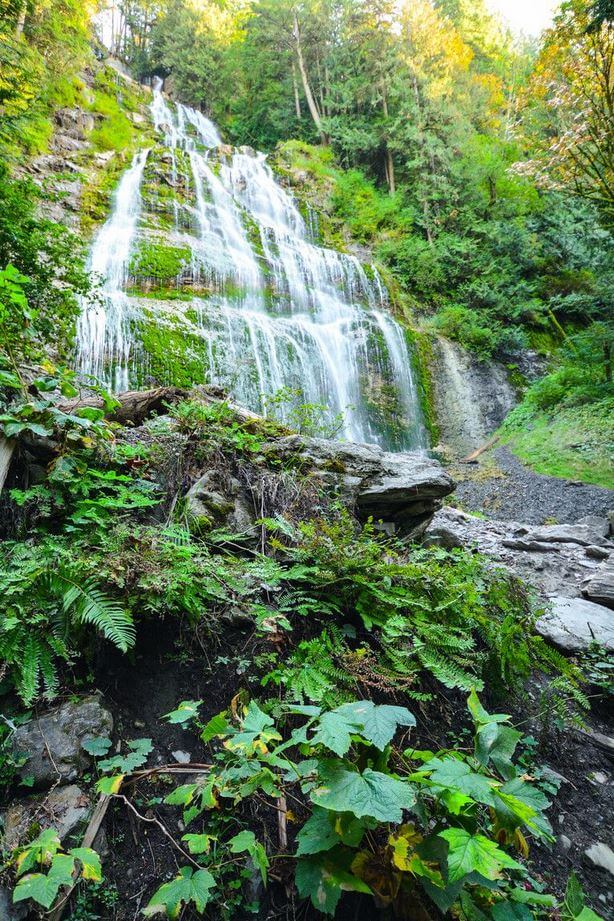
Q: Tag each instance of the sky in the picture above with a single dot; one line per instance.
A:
(528, 16)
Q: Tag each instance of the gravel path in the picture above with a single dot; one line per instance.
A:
(500, 486)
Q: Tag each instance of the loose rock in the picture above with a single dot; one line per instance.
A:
(64, 809)
(602, 856)
(53, 742)
(573, 624)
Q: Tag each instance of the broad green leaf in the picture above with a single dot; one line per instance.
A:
(502, 750)
(528, 897)
(215, 728)
(511, 911)
(256, 732)
(317, 834)
(199, 844)
(110, 785)
(368, 794)
(188, 886)
(457, 776)
(474, 853)
(187, 710)
(44, 888)
(334, 731)
(40, 851)
(38, 887)
(532, 797)
(323, 880)
(90, 863)
(480, 716)
(246, 841)
(98, 746)
(379, 722)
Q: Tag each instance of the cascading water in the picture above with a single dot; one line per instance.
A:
(256, 304)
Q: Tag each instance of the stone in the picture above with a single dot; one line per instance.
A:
(529, 546)
(598, 553)
(600, 525)
(52, 742)
(402, 490)
(64, 809)
(573, 624)
(182, 757)
(8, 910)
(563, 842)
(583, 534)
(601, 856)
(215, 501)
(600, 587)
(599, 777)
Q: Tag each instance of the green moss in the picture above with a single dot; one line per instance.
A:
(158, 261)
(574, 442)
(175, 355)
(421, 343)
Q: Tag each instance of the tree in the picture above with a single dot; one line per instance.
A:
(572, 116)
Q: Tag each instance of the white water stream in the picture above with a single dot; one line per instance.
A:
(270, 307)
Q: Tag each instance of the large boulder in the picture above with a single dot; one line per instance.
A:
(573, 624)
(64, 809)
(600, 587)
(403, 491)
(53, 743)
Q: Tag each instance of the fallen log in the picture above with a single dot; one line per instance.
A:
(475, 454)
(131, 406)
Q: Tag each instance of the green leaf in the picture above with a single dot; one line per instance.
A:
(246, 841)
(110, 785)
(198, 844)
(187, 710)
(90, 863)
(188, 886)
(475, 854)
(323, 880)
(457, 776)
(97, 747)
(511, 911)
(43, 888)
(215, 728)
(334, 731)
(368, 794)
(379, 722)
(317, 834)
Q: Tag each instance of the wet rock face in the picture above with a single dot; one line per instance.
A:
(403, 491)
(472, 397)
(53, 743)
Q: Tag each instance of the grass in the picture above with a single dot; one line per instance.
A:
(575, 442)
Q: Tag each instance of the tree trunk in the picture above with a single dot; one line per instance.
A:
(297, 98)
(7, 446)
(134, 405)
(388, 160)
(311, 103)
(21, 19)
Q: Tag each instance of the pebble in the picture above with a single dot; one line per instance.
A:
(563, 842)
(182, 757)
(601, 856)
(599, 777)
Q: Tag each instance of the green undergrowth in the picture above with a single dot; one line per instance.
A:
(331, 628)
(576, 443)
(564, 425)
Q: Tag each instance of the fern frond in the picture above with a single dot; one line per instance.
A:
(89, 605)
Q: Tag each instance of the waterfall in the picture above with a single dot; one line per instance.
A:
(258, 305)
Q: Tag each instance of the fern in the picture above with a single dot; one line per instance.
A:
(89, 605)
